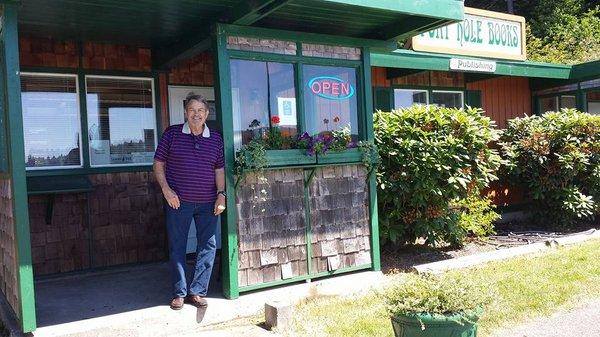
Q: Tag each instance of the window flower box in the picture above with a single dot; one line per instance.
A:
(353, 155)
(289, 158)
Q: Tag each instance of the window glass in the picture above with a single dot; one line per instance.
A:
(593, 102)
(548, 104)
(447, 99)
(51, 122)
(263, 96)
(568, 102)
(404, 98)
(121, 121)
(330, 99)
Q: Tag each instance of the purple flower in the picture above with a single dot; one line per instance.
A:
(351, 145)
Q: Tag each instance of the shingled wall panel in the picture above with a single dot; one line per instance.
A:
(126, 220)
(271, 227)
(8, 247)
(340, 218)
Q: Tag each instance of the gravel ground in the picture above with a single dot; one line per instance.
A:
(582, 321)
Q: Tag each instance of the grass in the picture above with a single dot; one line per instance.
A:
(528, 287)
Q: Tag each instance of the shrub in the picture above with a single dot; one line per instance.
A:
(556, 158)
(414, 294)
(431, 156)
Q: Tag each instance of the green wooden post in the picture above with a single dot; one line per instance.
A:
(229, 252)
(17, 166)
(368, 109)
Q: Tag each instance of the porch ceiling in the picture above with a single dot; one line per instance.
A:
(178, 26)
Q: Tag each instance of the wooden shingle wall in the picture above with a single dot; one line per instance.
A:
(8, 247)
(271, 227)
(126, 220)
(340, 218)
(40, 52)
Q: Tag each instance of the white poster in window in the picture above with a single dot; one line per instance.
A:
(100, 151)
(286, 110)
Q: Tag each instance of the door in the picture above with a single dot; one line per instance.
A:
(177, 95)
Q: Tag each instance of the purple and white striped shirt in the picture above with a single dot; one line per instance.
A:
(191, 162)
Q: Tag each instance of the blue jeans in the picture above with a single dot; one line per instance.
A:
(178, 226)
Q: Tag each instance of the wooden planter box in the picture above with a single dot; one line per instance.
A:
(289, 157)
(353, 155)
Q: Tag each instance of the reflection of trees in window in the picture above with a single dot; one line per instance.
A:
(50, 120)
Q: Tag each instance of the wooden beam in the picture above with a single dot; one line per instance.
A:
(252, 11)
(249, 12)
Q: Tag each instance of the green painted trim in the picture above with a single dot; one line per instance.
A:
(89, 170)
(449, 9)
(368, 97)
(17, 168)
(428, 61)
(308, 221)
(272, 57)
(85, 143)
(298, 83)
(229, 252)
(585, 71)
(368, 101)
(304, 278)
(89, 72)
(267, 33)
(249, 12)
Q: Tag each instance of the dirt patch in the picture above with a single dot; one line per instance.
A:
(402, 259)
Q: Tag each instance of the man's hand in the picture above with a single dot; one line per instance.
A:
(220, 204)
(171, 197)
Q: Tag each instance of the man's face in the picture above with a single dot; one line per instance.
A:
(196, 113)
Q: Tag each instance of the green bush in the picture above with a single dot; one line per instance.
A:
(412, 294)
(430, 157)
(556, 157)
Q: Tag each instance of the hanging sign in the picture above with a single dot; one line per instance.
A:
(481, 33)
(472, 65)
(331, 87)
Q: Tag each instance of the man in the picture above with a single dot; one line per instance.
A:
(188, 165)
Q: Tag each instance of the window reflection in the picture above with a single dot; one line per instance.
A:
(50, 120)
(447, 99)
(593, 102)
(405, 98)
(330, 99)
(121, 121)
(263, 96)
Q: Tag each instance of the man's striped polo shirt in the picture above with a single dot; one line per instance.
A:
(191, 162)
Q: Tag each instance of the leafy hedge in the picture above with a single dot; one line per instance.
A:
(556, 157)
(432, 160)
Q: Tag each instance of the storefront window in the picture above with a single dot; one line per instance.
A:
(121, 120)
(405, 98)
(263, 96)
(548, 104)
(330, 99)
(568, 101)
(447, 99)
(593, 102)
(51, 122)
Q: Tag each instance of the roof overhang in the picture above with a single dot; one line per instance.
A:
(173, 27)
(408, 59)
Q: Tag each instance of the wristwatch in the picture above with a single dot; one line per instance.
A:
(223, 193)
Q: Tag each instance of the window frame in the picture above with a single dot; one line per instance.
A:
(78, 95)
(430, 90)
(156, 123)
(461, 92)
(427, 98)
(298, 61)
(81, 73)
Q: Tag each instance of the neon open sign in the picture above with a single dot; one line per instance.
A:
(331, 87)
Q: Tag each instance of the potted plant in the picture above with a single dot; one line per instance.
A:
(281, 150)
(339, 148)
(435, 306)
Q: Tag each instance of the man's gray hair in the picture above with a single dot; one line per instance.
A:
(195, 97)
